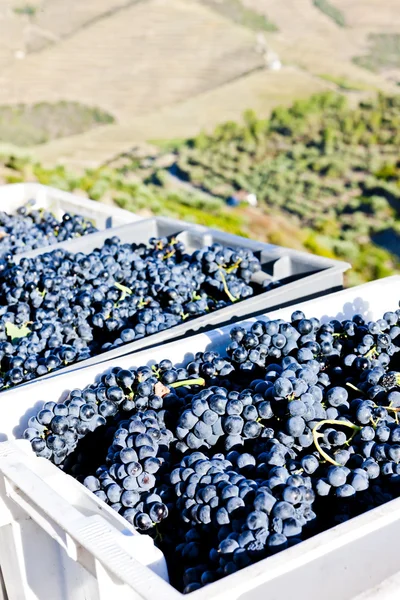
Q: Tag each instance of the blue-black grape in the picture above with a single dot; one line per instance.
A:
(237, 456)
(72, 306)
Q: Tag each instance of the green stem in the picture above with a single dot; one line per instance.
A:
(353, 387)
(231, 298)
(317, 435)
(371, 352)
(198, 381)
(374, 423)
(234, 266)
(158, 535)
(122, 288)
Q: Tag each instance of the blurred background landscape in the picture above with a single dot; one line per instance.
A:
(172, 107)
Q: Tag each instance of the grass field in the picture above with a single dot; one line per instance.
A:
(383, 53)
(27, 125)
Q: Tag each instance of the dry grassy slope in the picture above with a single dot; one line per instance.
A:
(382, 17)
(150, 55)
(11, 33)
(169, 68)
(275, 229)
(64, 18)
(53, 20)
(56, 17)
(371, 15)
(261, 90)
(311, 40)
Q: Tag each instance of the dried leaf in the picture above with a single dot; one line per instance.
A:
(161, 390)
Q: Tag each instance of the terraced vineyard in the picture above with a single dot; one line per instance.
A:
(329, 168)
(329, 171)
(327, 178)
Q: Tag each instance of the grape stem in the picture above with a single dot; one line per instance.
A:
(353, 387)
(198, 381)
(142, 303)
(231, 298)
(395, 410)
(158, 535)
(125, 290)
(392, 408)
(371, 352)
(389, 408)
(234, 266)
(396, 413)
(317, 435)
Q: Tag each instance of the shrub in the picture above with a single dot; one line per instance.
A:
(331, 11)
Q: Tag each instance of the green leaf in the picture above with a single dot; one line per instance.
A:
(15, 332)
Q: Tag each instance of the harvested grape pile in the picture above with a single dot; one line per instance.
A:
(232, 459)
(59, 308)
(32, 228)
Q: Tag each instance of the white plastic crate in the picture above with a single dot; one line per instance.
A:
(58, 541)
(103, 216)
(302, 275)
(42, 508)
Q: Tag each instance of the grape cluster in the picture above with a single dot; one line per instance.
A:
(32, 228)
(244, 519)
(227, 270)
(55, 430)
(59, 308)
(357, 344)
(233, 458)
(217, 413)
(206, 489)
(135, 461)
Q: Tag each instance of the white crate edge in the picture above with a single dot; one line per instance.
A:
(370, 300)
(345, 562)
(69, 520)
(104, 216)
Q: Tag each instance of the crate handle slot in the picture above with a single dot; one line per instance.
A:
(82, 537)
